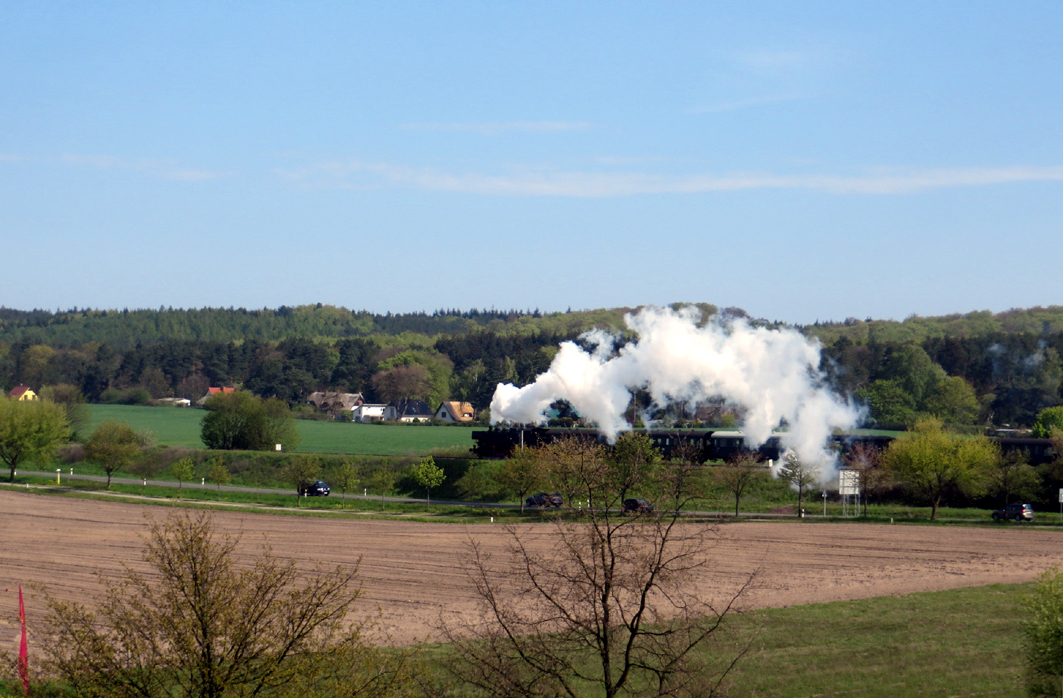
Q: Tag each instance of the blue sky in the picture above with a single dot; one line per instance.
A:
(801, 160)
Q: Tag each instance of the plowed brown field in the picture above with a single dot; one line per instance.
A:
(411, 570)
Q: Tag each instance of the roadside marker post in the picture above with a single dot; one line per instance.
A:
(58, 474)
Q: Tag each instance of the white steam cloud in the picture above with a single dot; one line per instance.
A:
(774, 374)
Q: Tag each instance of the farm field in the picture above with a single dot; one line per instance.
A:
(411, 570)
(180, 427)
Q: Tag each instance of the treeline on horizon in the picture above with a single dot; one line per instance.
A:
(975, 369)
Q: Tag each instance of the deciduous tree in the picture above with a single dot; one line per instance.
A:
(605, 609)
(241, 421)
(30, 430)
(218, 473)
(931, 462)
(302, 470)
(800, 475)
(428, 475)
(183, 471)
(952, 399)
(521, 473)
(1043, 631)
(114, 446)
(382, 480)
(73, 402)
(864, 461)
(1048, 419)
(346, 477)
(1013, 479)
(403, 381)
(633, 463)
(201, 626)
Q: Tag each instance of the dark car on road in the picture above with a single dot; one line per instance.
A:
(317, 488)
(637, 505)
(544, 500)
(1016, 512)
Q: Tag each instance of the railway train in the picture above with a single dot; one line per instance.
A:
(712, 444)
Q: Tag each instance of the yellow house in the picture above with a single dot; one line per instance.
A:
(22, 392)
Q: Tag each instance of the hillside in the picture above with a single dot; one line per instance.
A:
(122, 329)
(1001, 368)
(1037, 321)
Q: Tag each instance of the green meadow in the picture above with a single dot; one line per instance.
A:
(176, 426)
(945, 644)
(962, 642)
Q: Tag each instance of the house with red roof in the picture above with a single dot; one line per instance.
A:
(211, 392)
(21, 393)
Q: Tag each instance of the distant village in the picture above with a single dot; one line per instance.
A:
(338, 405)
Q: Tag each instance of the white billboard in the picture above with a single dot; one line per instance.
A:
(848, 483)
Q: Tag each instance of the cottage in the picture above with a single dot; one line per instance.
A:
(407, 410)
(453, 411)
(22, 393)
(334, 401)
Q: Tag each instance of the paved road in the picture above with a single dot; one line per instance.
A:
(263, 490)
(373, 498)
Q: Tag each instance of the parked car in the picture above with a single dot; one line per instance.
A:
(543, 500)
(637, 505)
(1018, 512)
(317, 488)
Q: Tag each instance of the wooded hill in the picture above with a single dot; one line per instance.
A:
(127, 328)
(979, 368)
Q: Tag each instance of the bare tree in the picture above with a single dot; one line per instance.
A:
(412, 381)
(605, 608)
(864, 461)
(200, 626)
(739, 474)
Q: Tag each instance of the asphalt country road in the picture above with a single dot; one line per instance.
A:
(363, 497)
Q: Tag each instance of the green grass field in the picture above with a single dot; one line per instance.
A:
(180, 427)
(962, 642)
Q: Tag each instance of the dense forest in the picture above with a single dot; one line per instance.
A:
(974, 369)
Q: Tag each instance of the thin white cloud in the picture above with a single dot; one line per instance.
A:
(362, 175)
(494, 128)
(11, 157)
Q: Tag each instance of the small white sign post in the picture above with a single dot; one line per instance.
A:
(1061, 501)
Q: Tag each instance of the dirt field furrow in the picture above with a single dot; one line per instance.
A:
(412, 573)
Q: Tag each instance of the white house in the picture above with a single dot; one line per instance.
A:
(367, 412)
(408, 411)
